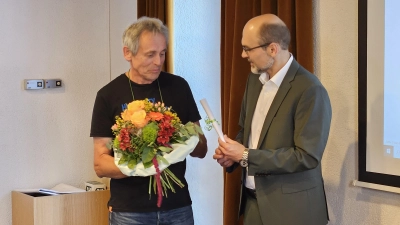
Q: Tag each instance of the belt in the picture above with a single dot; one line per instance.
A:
(251, 192)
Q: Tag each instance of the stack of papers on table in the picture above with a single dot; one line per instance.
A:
(61, 189)
(56, 190)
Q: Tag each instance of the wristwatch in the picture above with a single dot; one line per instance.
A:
(245, 157)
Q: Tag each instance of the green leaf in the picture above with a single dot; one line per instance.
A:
(162, 159)
(184, 132)
(113, 144)
(123, 159)
(148, 154)
(198, 129)
(191, 131)
(110, 144)
(132, 163)
(181, 141)
(165, 149)
(147, 164)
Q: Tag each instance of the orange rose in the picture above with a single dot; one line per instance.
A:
(136, 105)
(126, 115)
(155, 116)
(139, 119)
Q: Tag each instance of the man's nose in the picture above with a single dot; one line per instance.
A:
(157, 60)
(244, 54)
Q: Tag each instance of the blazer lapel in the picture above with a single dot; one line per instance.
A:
(279, 97)
(254, 88)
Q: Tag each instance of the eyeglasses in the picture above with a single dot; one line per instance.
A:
(247, 50)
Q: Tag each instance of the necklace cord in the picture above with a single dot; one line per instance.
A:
(130, 85)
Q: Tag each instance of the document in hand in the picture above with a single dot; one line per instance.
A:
(210, 115)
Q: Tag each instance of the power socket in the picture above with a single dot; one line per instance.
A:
(53, 83)
(33, 84)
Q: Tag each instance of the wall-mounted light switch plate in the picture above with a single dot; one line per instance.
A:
(53, 83)
(32, 84)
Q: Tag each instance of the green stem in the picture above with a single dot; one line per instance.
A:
(151, 180)
(174, 178)
(169, 183)
(164, 187)
(155, 187)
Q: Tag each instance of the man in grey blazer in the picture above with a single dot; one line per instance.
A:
(285, 120)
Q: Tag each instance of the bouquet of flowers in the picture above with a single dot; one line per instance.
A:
(148, 138)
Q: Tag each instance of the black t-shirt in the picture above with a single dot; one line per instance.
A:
(131, 194)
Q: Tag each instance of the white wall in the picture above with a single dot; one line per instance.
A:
(45, 133)
(336, 66)
(196, 47)
(122, 14)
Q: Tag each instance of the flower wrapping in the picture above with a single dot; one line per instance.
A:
(177, 155)
(148, 138)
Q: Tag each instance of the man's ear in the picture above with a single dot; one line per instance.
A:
(273, 49)
(127, 53)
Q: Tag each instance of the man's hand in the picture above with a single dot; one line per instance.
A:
(221, 159)
(230, 149)
(201, 148)
(104, 165)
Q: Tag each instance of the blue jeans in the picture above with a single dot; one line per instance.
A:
(180, 216)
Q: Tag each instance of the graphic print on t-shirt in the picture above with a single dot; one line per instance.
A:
(125, 105)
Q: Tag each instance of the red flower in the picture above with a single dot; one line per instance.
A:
(124, 139)
(166, 131)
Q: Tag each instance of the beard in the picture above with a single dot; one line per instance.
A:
(258, 70)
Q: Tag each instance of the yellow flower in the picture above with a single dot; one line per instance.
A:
(139, 119)
(136, 106)
(135, 113)
(126, 115)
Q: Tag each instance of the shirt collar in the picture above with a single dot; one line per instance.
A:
(277, 79)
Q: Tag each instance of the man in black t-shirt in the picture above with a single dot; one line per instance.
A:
(145, 44)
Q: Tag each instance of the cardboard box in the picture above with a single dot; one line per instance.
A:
(85, 208)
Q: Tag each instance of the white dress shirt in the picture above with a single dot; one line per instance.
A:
(267, 95)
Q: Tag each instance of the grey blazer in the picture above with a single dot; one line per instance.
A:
(287, 162)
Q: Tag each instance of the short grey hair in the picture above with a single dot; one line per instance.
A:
(131, 35)
(277, 33)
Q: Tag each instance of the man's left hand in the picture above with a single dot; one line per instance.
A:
(231, 149)
(222, 159)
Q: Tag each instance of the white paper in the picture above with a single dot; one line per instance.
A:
(216, 126)
(35, 191)
(61, 189)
